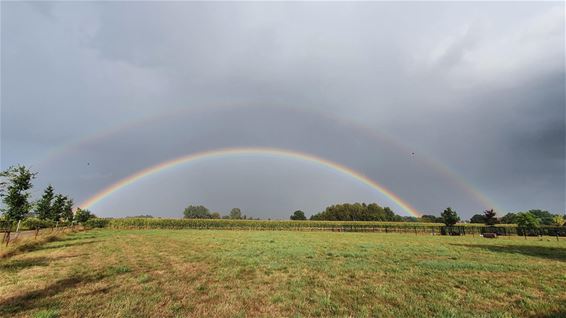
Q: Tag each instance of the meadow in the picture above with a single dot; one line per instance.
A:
(239, 273)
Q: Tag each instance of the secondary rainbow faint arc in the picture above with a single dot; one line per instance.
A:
(381, 136)
(249, 151)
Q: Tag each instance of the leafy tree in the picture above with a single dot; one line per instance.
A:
(54, 207)
(298, 215)
(558, 220)
(389, 215)
(527, 220)
(81, 216)
(509, 218)
(490, 217)
(67, 214)
(235, 214)
(215, 215)
(477, 218)
(44, 205)
(196, 212)
(58, 209)
(357, 212)
(14, 190)
(449, 217)
(545, 217)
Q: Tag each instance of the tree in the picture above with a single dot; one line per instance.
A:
(44, 205)
(527, 220)
(477, 218)
(449, 217)
(58, 208)
(196, 212)
(509, 218)
(14, 190)
(67, 214)
(54, 207)
(215, 215)
(235, 214)
(357, 212)
(490, 218)
(545, 217)
(558, 220)
(81, 216)
(389, 215)
(298, 215)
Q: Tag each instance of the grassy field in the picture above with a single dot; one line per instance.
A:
(216, 273)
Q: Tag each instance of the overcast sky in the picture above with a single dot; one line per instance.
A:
(432, 100)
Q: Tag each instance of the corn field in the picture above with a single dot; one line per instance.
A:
(337, 226)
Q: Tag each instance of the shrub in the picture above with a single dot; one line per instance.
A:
(83, 216)
(35, 223)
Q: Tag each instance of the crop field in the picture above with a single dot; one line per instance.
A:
(336, 226)
(238, 273)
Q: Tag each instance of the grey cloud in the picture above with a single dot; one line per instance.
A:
(479, 87)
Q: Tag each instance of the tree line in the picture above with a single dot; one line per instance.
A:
(201, 212)
(374, 212)
(52, 208)
(537, 217)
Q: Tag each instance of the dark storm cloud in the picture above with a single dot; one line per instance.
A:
(477, 86)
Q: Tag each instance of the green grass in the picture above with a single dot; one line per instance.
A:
(216, 273)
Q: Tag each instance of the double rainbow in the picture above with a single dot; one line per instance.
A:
(227, 152)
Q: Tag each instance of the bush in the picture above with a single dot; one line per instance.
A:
(6, 224)
(82, 216)
(35, 223)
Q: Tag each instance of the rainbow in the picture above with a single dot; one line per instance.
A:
(224, 152)
(380, 136)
